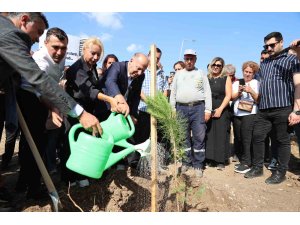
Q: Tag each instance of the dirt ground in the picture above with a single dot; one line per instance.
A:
(130, 191)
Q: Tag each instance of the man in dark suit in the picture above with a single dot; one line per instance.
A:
(123, 81)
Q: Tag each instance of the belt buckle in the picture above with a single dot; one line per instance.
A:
(190, 104)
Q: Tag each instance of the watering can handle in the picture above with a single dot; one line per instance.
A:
(72, 131)
(131, 125)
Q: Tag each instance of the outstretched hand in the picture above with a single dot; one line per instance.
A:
(89, 121)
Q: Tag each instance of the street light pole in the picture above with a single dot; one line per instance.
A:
(192, 40)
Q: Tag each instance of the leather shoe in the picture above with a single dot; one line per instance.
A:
(276, 178)
(254, 172)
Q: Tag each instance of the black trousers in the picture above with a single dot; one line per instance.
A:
(68, 175)
(35, 115)
(142, 128)
(277, 119)
(2, 113)
(12, 133)
(243, 130)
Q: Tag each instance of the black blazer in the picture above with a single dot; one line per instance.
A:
(115, 81)
(83, 84)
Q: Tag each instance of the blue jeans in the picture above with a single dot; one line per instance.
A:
(195, 143)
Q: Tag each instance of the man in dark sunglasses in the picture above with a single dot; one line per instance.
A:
(279, 106)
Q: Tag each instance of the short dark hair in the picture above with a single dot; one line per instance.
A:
(32, 16)
(264, 52)
(157, 50)
(57, 32)
(276, 35)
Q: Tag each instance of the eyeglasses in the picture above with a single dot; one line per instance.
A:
(270, 45)
(217, 65)
(178, 69)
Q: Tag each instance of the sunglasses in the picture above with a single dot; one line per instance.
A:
(270, 45)
(217, 65)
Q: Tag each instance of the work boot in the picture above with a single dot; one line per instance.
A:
(254, 172)
(198, 172)
(184, 168)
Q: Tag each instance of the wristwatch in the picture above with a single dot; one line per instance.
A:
(297, 112)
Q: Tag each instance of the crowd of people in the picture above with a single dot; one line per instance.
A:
(264, 105)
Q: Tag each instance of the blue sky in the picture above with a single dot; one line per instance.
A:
(237, 37)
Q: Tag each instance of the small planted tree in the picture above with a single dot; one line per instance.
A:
(172, 125)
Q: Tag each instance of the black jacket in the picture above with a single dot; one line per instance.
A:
(15, 57)
(83, 85)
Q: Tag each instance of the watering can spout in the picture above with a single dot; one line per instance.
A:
(115, 157)
(143, 149)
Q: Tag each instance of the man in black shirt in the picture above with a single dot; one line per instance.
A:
(279, 106)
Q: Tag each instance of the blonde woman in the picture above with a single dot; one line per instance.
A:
(84, 86)
(218, 127)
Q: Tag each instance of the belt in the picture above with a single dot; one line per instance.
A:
(190, 104)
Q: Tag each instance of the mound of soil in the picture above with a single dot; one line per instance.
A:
(129, 190)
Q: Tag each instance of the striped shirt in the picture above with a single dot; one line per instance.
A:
(161, 85)
(276, 77)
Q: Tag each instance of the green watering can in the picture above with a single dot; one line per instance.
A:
(91, 155)
(119, 126)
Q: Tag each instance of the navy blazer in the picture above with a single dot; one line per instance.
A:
(115, 82)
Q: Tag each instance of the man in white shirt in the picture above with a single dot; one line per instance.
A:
(50, 58)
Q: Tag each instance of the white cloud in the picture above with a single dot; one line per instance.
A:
(134, 48)
(111, 20)
(103, 37)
